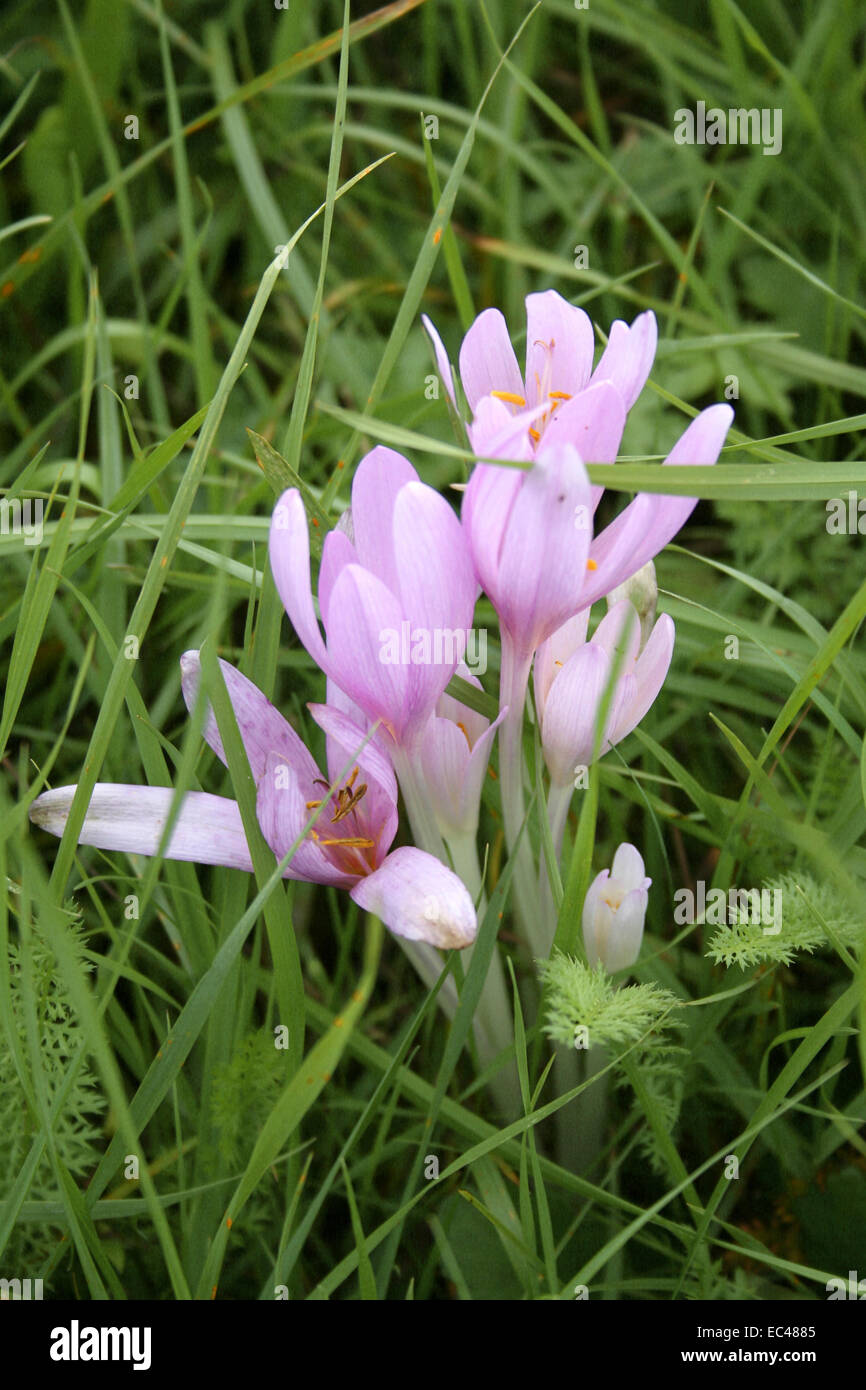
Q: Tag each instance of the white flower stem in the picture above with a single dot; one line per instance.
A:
(558, 802)
(513, 681)
(494, 1025)
(425, 831)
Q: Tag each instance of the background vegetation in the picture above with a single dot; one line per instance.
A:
(143, 258)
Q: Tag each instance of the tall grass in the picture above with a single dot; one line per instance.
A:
(155, 1142)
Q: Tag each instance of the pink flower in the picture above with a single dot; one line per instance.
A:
(571, 676)
(402, 565)
(415, 895)
(455, 751)
(559, 351)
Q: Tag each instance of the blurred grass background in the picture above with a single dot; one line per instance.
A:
(130, 268)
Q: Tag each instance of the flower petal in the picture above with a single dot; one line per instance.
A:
(627, 869)
(628, 357)
(378, 480)
(289, 551)
(487, 360)
(376, 813)
(437, 590)
(559, 344)
(365, 639)
(208, 829)
(416, 896)
(592, 421)
(282, 811)
(571, 711)
(619, 634)
(447, 707)
(262, 727)
(648, 523)
(624, 935)
(442, 361)
(337, 552)
(554, 652)
(650, 671)
(543, 562)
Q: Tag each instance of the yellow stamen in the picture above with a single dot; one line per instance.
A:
(356, 842)
(557, 663)
(311, 805)
(591, 565)
(509, 396)
(462, 728)
(559, 395)
(534, 435)
(350, 804)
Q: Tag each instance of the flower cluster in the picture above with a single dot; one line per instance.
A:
(400, 561)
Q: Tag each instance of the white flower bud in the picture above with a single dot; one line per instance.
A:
(614, 910)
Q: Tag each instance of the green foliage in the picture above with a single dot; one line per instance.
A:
(815, 915)
(614, 1017)
(586, 1009)
(245, 1090)
(41, 991)
(754, 267)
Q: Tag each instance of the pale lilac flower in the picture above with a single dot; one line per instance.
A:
(614, 911)
(529, 533)
(454, 753)
(571, 676)
(558, 370)
(415, 895)
(562, 401)
(402, 565)
(541, 529)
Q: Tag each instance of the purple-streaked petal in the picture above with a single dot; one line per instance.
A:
(649, 676)
(379, 477)
(544, 552)
(352, 740)
(619, 634)
(501, 431)
(470, 795)
(289, 551)
(648, 523)
(487, 360)
(553, 653)
(437, 590)
(447, 707)
(571, 712)
(444, 755)
(592, 421)
(417, 897)
(628, 357)
(337, 552)
(261, 726)
(442, 361)
(208, 829)
(282, 811)
(365, 622)
(559, 345)
(436, 582)
(454, 769)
